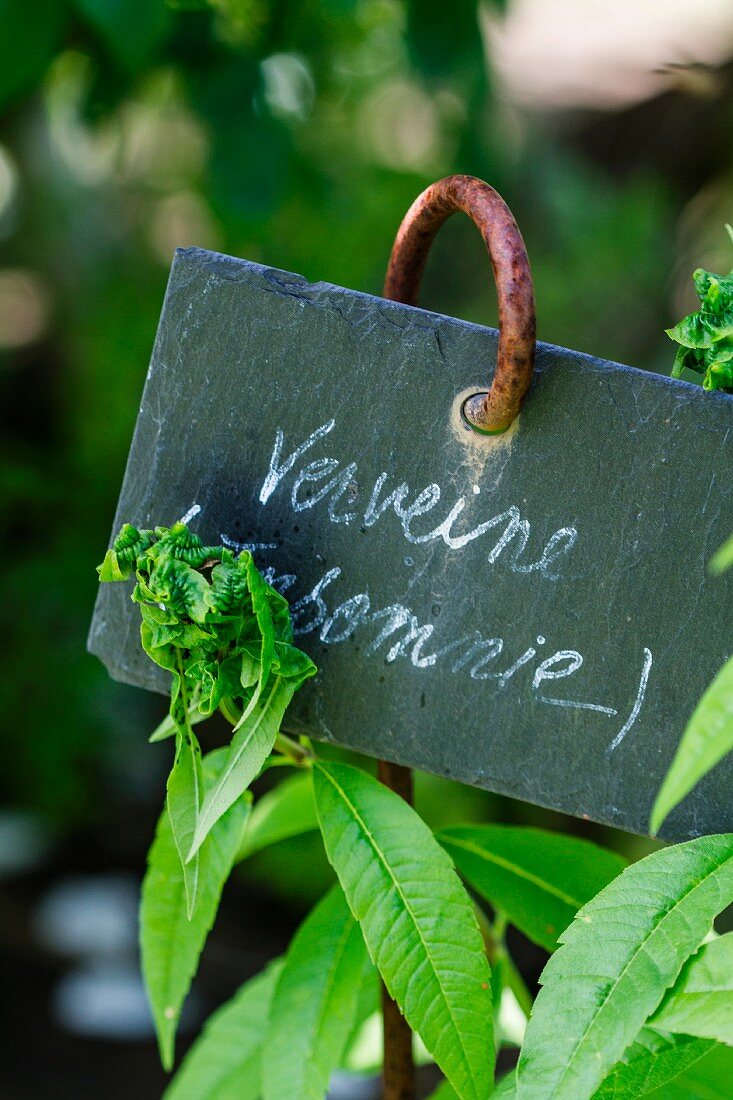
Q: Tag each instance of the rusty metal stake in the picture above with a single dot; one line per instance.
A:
(490, 412)
(398, 1065)
(494, 411)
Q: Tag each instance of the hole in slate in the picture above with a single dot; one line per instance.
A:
(469, 423)
(468, 432)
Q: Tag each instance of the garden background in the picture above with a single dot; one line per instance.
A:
(295, 133)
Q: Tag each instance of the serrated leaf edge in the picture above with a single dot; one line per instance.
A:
(408, 908)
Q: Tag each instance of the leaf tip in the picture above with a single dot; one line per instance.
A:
(657, 816)
(167, 1037)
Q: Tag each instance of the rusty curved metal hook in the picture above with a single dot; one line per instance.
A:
(494, 411)
(490, 412)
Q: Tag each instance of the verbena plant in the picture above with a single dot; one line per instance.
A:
(705, 337)
(631, 997)
(706, 347)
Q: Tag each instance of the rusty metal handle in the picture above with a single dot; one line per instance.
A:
(494, 411)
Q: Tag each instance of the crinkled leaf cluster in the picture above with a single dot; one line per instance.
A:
(706, 337)
(213, 607)
(225, 635)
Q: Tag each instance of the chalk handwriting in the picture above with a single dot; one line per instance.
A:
(324, 478)
(190, 514)
(395, 632)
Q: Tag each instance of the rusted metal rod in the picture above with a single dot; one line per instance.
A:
(490, 412)
(494, 411)
(398, 1065)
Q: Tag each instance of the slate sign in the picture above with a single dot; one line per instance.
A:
(529, 613)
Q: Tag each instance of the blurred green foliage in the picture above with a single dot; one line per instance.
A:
(293, 132)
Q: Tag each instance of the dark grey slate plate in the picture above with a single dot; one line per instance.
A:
(539, 622)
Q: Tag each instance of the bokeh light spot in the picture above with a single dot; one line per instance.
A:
(23, 308)
(289, 90)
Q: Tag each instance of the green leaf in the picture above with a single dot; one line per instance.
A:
(250, 747)
(110, 569)
(701, 1000)
(183, 795)
(706, 740)
(225, 1062)
(418, 922)
(182, 589)
(170, 943)
(690, 332)
(651, 1063)
(706, 336)
(131, 29)
(225, 636)
(707, 1079)
(538, 879)
(287, 810)
(685, 359)
(314, 1004)
(167, 727)
(292, 663)
(619, 956)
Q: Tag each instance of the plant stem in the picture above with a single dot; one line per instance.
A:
(298, 753)
(399, 1067)
(498, 955)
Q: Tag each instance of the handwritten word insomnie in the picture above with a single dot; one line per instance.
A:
(398, 631)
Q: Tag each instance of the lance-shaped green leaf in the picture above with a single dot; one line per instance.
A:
(287, 810)
(708, 1078)
(539, 879)
(183, 796)
(171, 943)
(708, 737)
(701, 1000)
(185, 783)
(250, 747)
(184, 789)
(167, 727)
(622, 952)
(225, 1062)
(651, 1063)
(314, 1004)
(417, 920)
